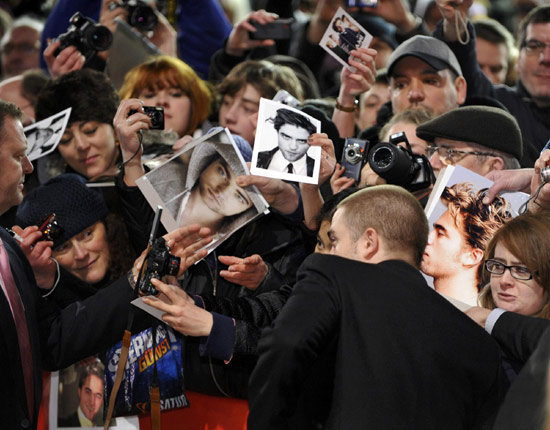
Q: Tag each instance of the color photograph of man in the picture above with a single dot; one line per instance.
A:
(90, 394)
(456, 244)
(281, 145)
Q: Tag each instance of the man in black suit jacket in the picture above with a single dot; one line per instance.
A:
(404, 356)
(290, 155)
(57, 337)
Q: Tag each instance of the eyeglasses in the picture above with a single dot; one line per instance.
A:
(534, 46)
(521, 273)
(23, 48)
(450, 156)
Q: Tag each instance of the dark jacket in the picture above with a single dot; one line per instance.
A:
(533, 121)
(406, 358)
(58, 337)
(265, 157)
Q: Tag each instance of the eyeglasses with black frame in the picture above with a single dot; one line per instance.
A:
(520, 273)
(534, 46)
(450, 156)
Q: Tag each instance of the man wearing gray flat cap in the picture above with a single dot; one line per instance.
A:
(480, 138)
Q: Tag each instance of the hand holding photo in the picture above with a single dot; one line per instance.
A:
(281, 147)
(343, 35)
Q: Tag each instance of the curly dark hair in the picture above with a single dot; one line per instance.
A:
(122, 254)
(89, 93)
(476, 221)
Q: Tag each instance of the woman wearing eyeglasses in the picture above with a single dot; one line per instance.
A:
(517, 267)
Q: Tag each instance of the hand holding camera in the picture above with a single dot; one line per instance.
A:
(240, 41)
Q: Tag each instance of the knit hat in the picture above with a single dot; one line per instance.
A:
(75, 205)
(430, 50)
(485, 125)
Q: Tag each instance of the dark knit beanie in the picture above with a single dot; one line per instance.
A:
(75, 205)
(485, 125)
(89, 93)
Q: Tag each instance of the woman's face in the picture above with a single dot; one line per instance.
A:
(522, 297)
(89, 148)
(86, 255)
(176, 104)
(324, 244)
(220, 192)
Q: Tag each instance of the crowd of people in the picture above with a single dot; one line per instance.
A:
(343, 306)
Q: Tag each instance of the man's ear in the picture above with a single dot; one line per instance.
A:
(460, 86)
(495, 163)
(371, 244)
(474, 257)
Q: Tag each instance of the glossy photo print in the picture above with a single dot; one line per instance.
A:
(197, 186)
(281, 148)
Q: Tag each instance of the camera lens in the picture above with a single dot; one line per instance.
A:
(100, 38)
(143, 18)
(382, 157)
(353, 154)
(545, 174)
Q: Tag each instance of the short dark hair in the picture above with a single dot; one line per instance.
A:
(267, 78)
(493, 31)
(8, 109)
(538, 15)
(89, 93)
(287, 116)
(91, 369)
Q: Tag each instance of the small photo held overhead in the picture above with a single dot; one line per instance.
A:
(343, 35)
(44, 136)
(281, 148)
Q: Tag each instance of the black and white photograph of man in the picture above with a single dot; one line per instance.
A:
(343, 35)
(281, 148)
(44, 136)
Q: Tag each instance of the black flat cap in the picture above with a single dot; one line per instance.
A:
(430, 50)
(485, 125)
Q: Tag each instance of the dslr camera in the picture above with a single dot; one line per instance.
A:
(50, 228)
(400, 166)
(140, 14)
(86, 35)
(159, 263)
(354, 157)
(156, 113)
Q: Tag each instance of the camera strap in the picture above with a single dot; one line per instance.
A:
(154, 392)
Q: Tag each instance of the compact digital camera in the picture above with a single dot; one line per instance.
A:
(86, 35)
(159, 263)
(50, 228)
(354, 157)
(400, 166)
(156, 113)
(280, 29)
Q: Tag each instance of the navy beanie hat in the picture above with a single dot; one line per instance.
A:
(75, 205)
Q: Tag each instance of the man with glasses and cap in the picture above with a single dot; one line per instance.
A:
(456, 140)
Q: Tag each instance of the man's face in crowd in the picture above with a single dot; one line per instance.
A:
(383, 52)
(239, 113)
(341, 238)
(475, 163)
(493, 60)
(91, 396)
(20, 51)
(292, 141)
(14, 163)
(371, 102)
(533, 68)
(417, 85)
(446, 247)
(10, 91)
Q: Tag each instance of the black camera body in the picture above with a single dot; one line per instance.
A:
(156, 113)
(140, 14)
(86, 35)
(400, 166)
(280, 29)
(159, 263)
(354, 157)
(50, 228)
